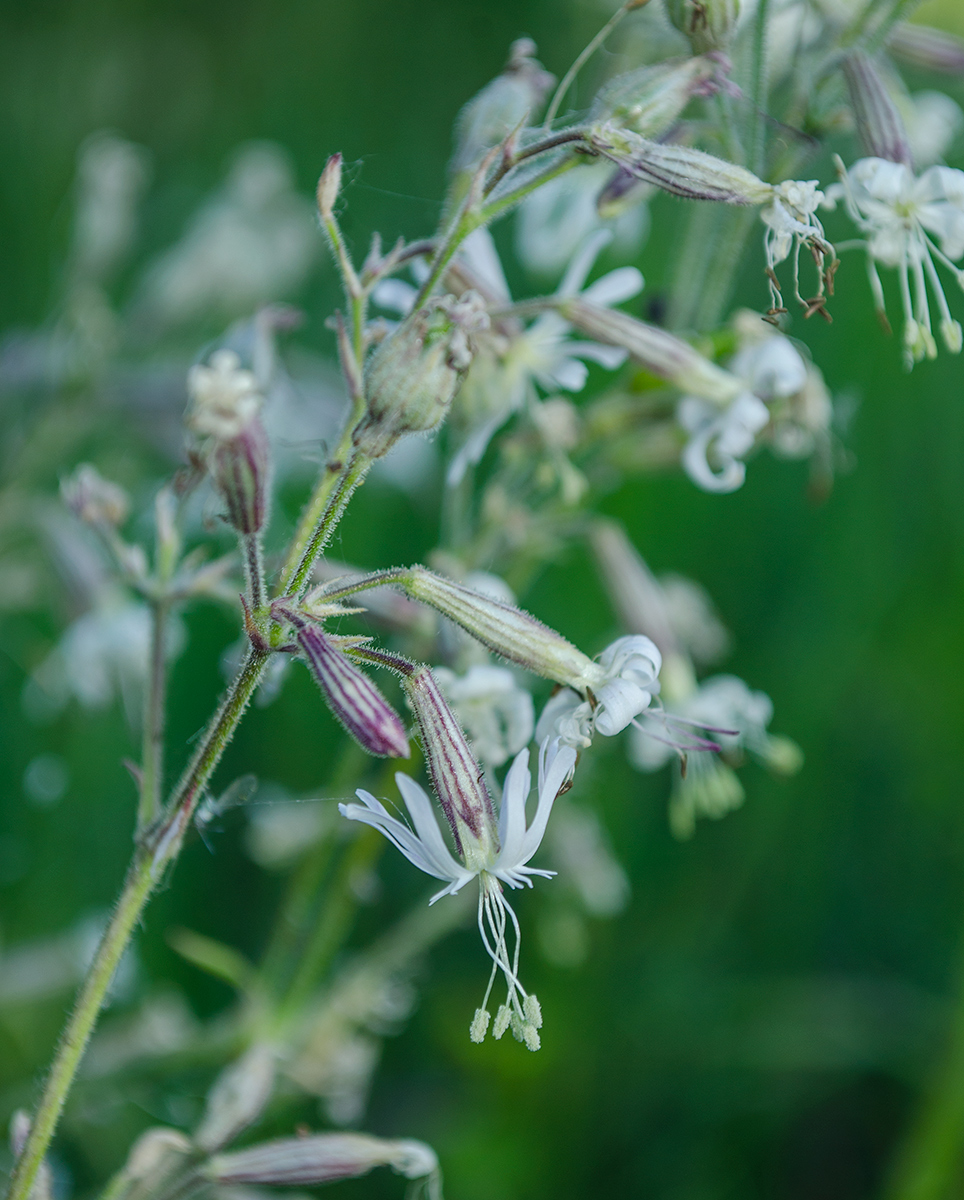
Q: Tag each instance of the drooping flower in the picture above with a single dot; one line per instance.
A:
(630, 669)
(497, 854)
(909, 221)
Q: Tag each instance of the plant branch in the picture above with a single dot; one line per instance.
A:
(152, 755)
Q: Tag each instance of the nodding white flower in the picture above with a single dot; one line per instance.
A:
(628, 679)
(511, 360)
(909, 221)
(494, 863)
(772, 369)
(738, 718)
(791, 223)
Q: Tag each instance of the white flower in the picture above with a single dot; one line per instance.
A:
(494, 710)
(908, 222)
(628, 681)
(933, 122)
(772, 369)
(424, 846)
(791, 223)
(225, 396)
(509, 364)
(555, 220)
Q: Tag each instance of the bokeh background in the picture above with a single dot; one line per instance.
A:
(769, 1012)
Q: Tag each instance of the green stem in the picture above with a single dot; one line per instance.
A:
(152, 756)
(590, 49)
(759, 90)
(253, 569)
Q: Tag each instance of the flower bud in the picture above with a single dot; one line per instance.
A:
(237, 1098)
(709, 24)
(879, 123)
(225, 412)
(352, 697)
(290, 1162)
(456, 775)
(412, 377)
(504, 629)
(329, 185)
(94, 499)
(679, 170)
(650, 99)
(501, 106)
(932, 49)
(660, 352)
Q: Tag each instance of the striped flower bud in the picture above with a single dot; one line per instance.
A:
(456, 775)
(225, 413)
(922, 46)
(352, 697)
(660, 352)
(237, 1098)
(323, 1158)
(329, 185)
(879, 124)
(679, 170)
(709, 24)
(507, 631)
(650, 99)
(412, 377)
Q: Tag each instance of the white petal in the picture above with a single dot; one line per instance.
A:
(615, 287)
(398, 834)
(426, 826)
(582, 262)
(618, 702)
(512, 815)
(482, 258)
(569, 373)
(554, 778)
(697, 467)
(609, 357)
(395, 295)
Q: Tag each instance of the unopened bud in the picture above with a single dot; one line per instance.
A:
(650, 99)
(456, 775)
(412, 377)
(679, 170)
(237, 1098)
(225, 412)
(329, 185)
(94, 499)
(782, 754)
(352, 697)
(659, 352)
(879, 123)
(507, 631)
(501, 106)
(932, 49)
(709, 24)
(290, 1162)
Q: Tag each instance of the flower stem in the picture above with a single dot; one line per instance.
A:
(152, 755)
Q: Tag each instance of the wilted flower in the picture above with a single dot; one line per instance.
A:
(898, 213)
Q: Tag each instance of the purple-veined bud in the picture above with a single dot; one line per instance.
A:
(456, 775)
(412, 377)
(501, 106)
(95, 499)
(329, 185)
(650, 99)
(660, 352)
(507, 631)
(352, 697)
(225, 412)
(932, 49)
(679, 170)
(323, 1158)
(238, 1098)
(879, 123)
(709, 24)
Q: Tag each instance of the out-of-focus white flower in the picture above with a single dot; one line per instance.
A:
(557, 218)
(630, 680)
(933, 122)
(772, 369)
(508, 363)
(495, 711)
(225, 396)
(505, 862)
(791, 223)
(909, 221)
(111, 175)
(253, 242)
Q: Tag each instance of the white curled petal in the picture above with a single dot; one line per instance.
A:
(696, 465)
(617, 703)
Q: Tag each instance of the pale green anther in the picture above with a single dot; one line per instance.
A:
(709, 24)
(532, 1010)
(503, 1019)
(480, 1025)
(529, 1035)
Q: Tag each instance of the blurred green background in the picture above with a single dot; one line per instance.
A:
(764, 1018)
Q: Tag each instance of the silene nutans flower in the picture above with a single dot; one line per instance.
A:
(496, 851)
(413, 375)
(225, 414)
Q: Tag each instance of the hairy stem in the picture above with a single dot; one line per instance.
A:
(253, 569)
(152, 755)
